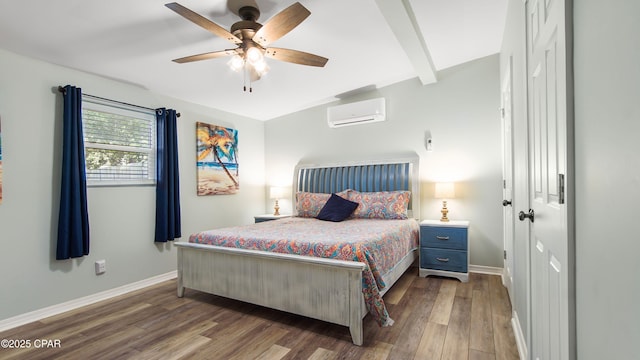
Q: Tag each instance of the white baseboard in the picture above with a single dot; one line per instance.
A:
(520, 341)
(490, 270)
(36, 315)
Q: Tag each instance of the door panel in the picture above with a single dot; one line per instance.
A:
(553, 142)
(555, 306)
(548, 119)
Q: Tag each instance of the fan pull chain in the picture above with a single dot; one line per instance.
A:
(245, 73)
(244, 79)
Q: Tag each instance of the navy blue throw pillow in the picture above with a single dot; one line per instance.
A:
(337, 209)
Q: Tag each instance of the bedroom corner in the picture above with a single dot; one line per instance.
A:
(121, 218)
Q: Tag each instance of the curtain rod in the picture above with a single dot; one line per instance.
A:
(62, 90)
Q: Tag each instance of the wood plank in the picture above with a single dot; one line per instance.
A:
(456, 344)
(444, 303)
(165, 318)
(499, 297)
(188, 340)
(479, 355)
(379, 351)
(505, 342)
(416, 297)
(409, 338)
(175, 349)
(432, 342)
(226, 341)
(333, 337)
(480, 281)
(481, 335)
(260, 344)
(464, 290)
(300, 338)
(322, 354)
(274, 352)
(324, 334)
(424, 282)
(168, 329)
(395, 294)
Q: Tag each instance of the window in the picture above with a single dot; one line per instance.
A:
(119, 143)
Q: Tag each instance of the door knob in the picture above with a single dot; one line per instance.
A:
(506, 202)
(522, 215)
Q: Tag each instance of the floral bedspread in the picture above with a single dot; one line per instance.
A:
(380, 244)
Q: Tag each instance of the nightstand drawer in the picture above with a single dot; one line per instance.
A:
(442, 259)
(443, 237)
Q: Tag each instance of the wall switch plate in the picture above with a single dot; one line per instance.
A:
(101, 267)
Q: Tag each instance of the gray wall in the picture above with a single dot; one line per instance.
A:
(607, 128)
(121, 218)
(460, 111)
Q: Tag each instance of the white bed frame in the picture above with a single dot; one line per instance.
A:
(320, 288)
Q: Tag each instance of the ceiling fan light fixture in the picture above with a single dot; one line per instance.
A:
(261, 67)
(236, 63)
(254, 55)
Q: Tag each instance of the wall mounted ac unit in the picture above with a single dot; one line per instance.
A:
(356, 113)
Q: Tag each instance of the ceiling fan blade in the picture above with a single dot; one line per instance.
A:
(205, 56)
(295, 56)
(281, 24)
(203, 22)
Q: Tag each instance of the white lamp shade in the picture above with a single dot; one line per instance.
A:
(445, 190)
(276, 192)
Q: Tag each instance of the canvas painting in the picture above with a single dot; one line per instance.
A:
(217, 159)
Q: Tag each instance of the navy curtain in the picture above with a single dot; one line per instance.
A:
(167, 179)
(73, 220)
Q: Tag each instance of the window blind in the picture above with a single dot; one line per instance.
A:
(119, 143)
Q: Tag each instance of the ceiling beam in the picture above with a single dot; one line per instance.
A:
(401, 19)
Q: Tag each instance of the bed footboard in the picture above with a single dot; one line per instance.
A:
(324, 289)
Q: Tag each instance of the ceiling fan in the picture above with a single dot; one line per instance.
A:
(253, 39)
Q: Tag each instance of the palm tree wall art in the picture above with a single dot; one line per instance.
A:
(217, 159)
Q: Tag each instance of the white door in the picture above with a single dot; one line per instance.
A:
(507, 176)
(552, 275)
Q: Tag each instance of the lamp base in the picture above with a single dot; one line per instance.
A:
(276, 209)
(444, 212)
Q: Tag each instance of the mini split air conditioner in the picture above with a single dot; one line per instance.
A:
(356, 113)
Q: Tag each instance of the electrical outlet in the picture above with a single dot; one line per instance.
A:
(101, 267)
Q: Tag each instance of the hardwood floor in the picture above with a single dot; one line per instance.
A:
(435, 318)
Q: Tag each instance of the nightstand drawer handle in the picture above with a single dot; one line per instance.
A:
(442, 237)
(443, 259)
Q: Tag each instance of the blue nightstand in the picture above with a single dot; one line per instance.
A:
(444, 249)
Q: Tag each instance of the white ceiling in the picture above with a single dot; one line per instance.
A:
(135, 41)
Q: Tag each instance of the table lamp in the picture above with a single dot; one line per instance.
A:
(276, 193)
(444, 191)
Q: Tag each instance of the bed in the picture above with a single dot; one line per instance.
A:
(334, 281)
